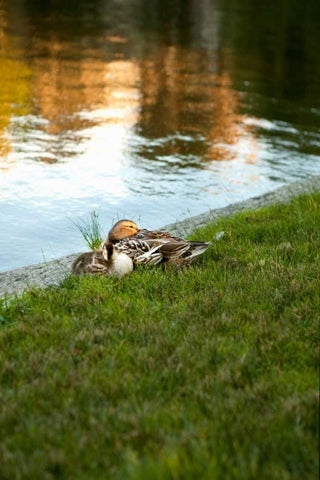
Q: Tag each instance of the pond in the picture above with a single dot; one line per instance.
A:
(150, 110)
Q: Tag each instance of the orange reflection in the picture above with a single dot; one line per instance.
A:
(180, 92)
(229, 125)
(173, 90)
(14, 86)
(64, 88)
(116, 39)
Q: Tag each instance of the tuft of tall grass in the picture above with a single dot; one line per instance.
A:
(91, 230)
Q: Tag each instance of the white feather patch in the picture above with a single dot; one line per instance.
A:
(122, 265)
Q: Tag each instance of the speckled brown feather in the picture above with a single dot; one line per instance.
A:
(90, 263)
(153, 247)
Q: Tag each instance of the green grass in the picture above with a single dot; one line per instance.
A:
(204, 373)
(91, 230)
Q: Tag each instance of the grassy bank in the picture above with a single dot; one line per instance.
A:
(205, 373)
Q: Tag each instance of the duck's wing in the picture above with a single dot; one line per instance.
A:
(172, 252)
(140, 251)
(161, 252)
(183, 249)
(151, 257)
(174, 249)
(163, 238)
(157, 236)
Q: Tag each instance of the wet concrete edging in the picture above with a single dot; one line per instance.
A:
(53, 272)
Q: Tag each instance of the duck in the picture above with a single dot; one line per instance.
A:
(106, 261)
(152, 247)
(88, 263)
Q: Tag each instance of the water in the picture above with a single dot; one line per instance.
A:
(151, 110)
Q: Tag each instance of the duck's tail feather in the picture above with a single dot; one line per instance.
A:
(174, 249)
(197, 248)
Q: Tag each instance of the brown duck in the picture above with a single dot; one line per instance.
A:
(147, 247)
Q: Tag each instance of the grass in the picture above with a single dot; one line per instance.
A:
(205, 373)
(91, 230)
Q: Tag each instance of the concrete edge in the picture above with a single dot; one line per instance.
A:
(53, 272)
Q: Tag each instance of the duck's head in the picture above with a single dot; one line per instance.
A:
(123, 229)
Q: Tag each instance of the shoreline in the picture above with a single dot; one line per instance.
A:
(53, 272)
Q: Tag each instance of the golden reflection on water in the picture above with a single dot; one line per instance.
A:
(173, 90)
(181, 93)
(64, 89)
(15, 86)
(229, 127)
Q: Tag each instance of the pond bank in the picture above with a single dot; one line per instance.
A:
(53, 272)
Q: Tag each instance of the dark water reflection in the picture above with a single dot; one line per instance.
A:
(148, 109)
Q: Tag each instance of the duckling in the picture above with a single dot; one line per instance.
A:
(147, 247)
(89, 263)
(106, 261)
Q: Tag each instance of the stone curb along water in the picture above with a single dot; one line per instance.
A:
(53, 272)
